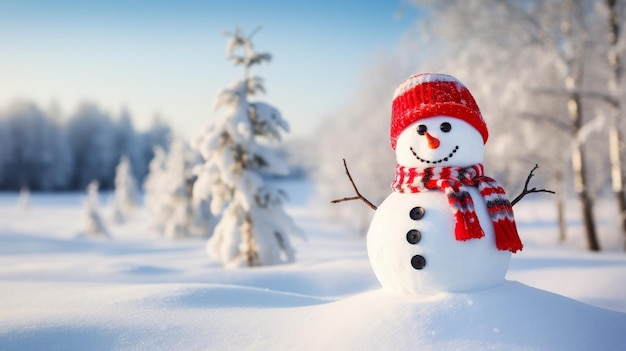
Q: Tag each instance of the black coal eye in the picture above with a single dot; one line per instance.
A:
(421, 129)
(445, 127)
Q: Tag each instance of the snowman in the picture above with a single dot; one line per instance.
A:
(446, 227)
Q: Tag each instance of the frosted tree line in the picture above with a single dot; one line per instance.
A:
(42, 151)
(547, 76)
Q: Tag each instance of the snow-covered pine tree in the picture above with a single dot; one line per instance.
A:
(154, 194)
(178, 182)
(203, 221)
(23, 201)
(253, 228)
(93, 225)
(126, 197)
(168, 187)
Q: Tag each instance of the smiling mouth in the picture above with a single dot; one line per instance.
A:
(456, 148)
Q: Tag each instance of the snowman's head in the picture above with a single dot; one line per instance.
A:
(439, 141)
(435, 121)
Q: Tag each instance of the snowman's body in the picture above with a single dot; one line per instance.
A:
(411, 241)
(448, 264)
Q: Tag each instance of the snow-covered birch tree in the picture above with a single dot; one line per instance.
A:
(614, 16)
(253, 227)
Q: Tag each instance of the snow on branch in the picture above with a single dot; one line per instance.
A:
(595, 125)
(254, 85)
(236, 92)
(249, 57)
(239, 40)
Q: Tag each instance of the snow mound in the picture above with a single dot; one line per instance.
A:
(512, 316)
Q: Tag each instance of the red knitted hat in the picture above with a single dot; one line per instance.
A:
(433, 94)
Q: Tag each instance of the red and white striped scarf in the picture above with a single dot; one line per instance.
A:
(453, 181)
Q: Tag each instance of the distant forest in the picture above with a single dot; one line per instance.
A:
(44, 152)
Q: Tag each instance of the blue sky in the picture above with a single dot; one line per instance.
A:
(167, 57)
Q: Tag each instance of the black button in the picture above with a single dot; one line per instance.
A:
(417, 213)
(418, 262)
(413, 236)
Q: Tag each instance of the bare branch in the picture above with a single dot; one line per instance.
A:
(538, 33)
(256, 30)
(527, 191)
(358, 194)
(560, 125)
(590, 94)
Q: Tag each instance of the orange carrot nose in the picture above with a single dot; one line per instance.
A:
(433, 142)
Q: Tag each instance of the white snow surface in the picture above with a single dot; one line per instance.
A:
(136, 292)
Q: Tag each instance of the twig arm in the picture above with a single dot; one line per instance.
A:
(358, 194)
(527, 191)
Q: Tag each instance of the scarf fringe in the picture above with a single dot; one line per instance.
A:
(467, 227)
(507, 237)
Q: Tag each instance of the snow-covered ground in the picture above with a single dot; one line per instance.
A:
(59, 292)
